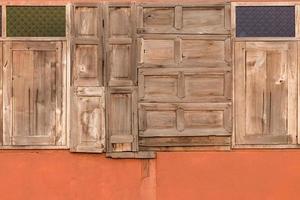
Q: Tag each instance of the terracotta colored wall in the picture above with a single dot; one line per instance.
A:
(61, 175)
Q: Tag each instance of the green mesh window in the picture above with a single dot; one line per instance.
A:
(36, 21)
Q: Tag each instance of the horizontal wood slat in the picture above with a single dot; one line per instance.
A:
(182, 18)
(184, 51)
(184, 119)
(185, 85)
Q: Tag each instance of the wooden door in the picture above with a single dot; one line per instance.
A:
(266, 92)
(33, 93)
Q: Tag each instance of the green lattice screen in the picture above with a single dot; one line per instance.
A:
(36, 21)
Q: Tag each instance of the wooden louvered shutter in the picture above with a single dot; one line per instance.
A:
(87, 94)
(33, 93)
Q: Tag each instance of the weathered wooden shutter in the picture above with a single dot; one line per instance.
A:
(266, 93)
(119, 23)
(184, 77)
(121, 81)
(87, 95)
(1, 95)
(122, 119)
(33, 93)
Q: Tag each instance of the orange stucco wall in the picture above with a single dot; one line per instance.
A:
(61, 175)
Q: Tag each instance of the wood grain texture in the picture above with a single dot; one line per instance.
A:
(184, 119)
(1, 94)
(122, 119)
(184, 51)
(87, 46)
(266, 91)
(184, 85)
(33, 109)
(183, 18)
(88, 120)
(120, 44)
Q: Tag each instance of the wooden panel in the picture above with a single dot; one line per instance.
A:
(119, 21)
(33, 95)
(184, 51)
(87, 67)
(184, 85)
(157, 19)
(87, 53)
(1, 94)
(184, 119)
(88, 120)
(266, 88)
(121, 70)
(196, 19)
(86, 19)
(120, 39)
(122, 119)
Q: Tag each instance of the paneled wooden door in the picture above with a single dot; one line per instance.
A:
(265, 92)
(33, 95)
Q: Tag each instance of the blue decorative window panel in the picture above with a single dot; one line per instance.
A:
(265, 21)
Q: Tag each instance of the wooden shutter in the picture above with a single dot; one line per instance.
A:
(193, 18)
(266, 92)
(120, 40)
(33, 93)
(184, 76)
(122, 119)
(1, 97)
(87, 95)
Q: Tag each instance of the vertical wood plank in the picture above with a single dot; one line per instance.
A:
(227, 16)
(1, 94)
(181, 85)
(7, 95)
(178, 17)
(3, 20)
(177, 50)
(232, 20)
(180, 119)
(239, 87)
(297, 21)
(292, 91)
